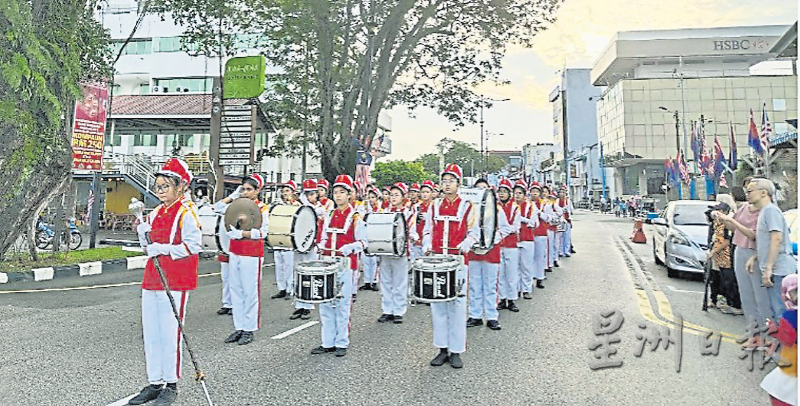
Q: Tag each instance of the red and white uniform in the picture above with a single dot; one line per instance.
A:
(419, 211)
(284, 262)
(484, 271)
(565, 237)
(394, 270)
(552, 247)
(509, 253)
(542, 238)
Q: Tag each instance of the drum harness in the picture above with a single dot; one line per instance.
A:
(462, 211)
(335, 232)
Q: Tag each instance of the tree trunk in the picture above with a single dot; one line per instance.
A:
(32, 239)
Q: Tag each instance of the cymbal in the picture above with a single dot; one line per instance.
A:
(242, 214)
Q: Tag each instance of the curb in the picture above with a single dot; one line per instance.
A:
(84, 269)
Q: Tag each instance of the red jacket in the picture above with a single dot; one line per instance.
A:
(181, 273)
(457, 230)
(512, 211)
(342, 224)
(541, 230)
(420, 209)
(526, 233)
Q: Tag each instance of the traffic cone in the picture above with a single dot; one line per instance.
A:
(638, 234)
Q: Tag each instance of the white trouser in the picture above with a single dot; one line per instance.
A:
(552, 254)
(526, 251)
(566, 240)
(245, 280)
(226, 285)
(394, 285)
(284, 262)
(334, 316)
(311, 255)
(539, 256)
(450, 320)
(370, 264)
(483, 289)
(509, 273)
(162, 340)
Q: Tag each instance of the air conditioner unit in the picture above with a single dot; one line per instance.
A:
(156, 89)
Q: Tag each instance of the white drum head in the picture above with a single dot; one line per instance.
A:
(400, 234)
(223, 240)
(304, 229)
(489, 215)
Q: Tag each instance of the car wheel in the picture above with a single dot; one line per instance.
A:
(671, 273)
(655, 255)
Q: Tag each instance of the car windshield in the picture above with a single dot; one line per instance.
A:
(690, 215)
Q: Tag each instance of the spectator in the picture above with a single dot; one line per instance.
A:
(723, 279)
(773, 249)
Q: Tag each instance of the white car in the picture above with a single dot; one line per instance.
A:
(680, 240)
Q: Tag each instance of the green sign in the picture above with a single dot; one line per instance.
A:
(244, 77)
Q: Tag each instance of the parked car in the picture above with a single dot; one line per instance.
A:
(680, 241)
(791, 220)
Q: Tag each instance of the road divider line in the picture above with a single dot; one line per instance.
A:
(113, 285)
(294, 330)
(123, 401)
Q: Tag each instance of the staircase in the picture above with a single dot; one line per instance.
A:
(138, 171)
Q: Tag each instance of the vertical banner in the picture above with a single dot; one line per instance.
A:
(89, 127)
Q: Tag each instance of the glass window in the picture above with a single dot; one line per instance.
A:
(691, 215)
(186, 140)
(144, 88)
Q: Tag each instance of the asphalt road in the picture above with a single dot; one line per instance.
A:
(76, 346)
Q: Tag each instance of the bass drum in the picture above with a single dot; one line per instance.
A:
(484, 201)
(210, 224)
(292, 228)
(387, 234)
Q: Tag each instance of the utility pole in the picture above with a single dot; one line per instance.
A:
(218, 183)
(483, 159)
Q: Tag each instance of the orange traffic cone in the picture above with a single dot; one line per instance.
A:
(638, 234)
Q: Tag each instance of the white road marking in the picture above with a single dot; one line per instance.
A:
(114, 285)
(123, 401)
(672, 288)
(294, 330)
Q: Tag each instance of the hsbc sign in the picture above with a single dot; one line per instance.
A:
(739, 45)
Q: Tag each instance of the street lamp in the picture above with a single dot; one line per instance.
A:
(677, 129)
(483, 103)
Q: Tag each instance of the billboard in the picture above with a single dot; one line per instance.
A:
(89, 127)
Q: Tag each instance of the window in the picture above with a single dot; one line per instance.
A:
(174, 85)
(186, 140)
(167, 44)
(145, 140)
(134, 47)
(144, 88)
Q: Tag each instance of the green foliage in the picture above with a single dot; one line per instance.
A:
(462, 154)
(47, 259)
(390, 172)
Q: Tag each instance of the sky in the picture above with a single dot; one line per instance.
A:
(582, 30)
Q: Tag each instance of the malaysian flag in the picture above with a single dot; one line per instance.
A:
(766, 128)
(719, 157)
(753, 137)
(733, 161)
(705, 155)
(722, 181)
(684, 171)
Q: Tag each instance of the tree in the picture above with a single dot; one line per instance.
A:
(46, 49)
(391, 172)
(365, 56)
(462, 154)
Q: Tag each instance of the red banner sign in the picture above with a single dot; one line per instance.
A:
(89, 127)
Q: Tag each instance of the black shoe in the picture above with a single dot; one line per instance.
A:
(375, 287)
(166, 397)
(502, 305)
(279, 295)
(455, 361)
(365, 286)
(234, 337)
(440, 359)
(246, 338)
(385, 317)
(398, 319)
(555, 264)
(539, 284)
(526, 295)
(474, 322)
(224, 311)
(493, 324)
(147, 394)
(341, 352)
(354, 297)
(296, 315)
(322, 350)
(572, 251)
(512, 306)
(306, 314)
(548, 270)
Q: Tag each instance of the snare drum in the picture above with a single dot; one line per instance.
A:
(562, 226)
(485, 202)
(292, 227)
(435, 278)
(387, 234)
(315, 281)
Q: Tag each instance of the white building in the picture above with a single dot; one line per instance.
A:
(708, 73)
(533, 156)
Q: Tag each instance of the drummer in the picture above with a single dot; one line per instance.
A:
(370, 262)
(284, 257)
(509, 251)
(540, 234)
(343, 236)
(457, 215)
(246, 258)
(483, 273)
(426, 192)
(394, 269)
(322, 189)
(307, 198)
(565, 240)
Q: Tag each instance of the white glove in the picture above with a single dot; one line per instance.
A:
(235, 234)
(236, 193)
(143, 228)
(155, 249)
(497, 238)
(255, 234)
(533, 222)
(348, 249)
(465, 246)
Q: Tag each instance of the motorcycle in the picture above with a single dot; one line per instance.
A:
(45, 234)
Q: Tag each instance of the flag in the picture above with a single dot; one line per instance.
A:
(706, 167)
(695, 143)
(766, 128)
(719, 157)
(684, 171)
(668, 170)
(722, 181)
(753, 137)
(732, 162)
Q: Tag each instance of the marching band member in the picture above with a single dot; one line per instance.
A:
(394, 269)
(284, 257)
(322, 190)
(385, 198)
(451, 227)
(552, 245)
(426, 197)
(526, 244)
(509, 252)
(307, 198)
(540, 236)
(176, 242)
(370, 262)
(566, 236)
(246, 258)
(413, 194)
(343, 236)
(483, 273)
(223, 258)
